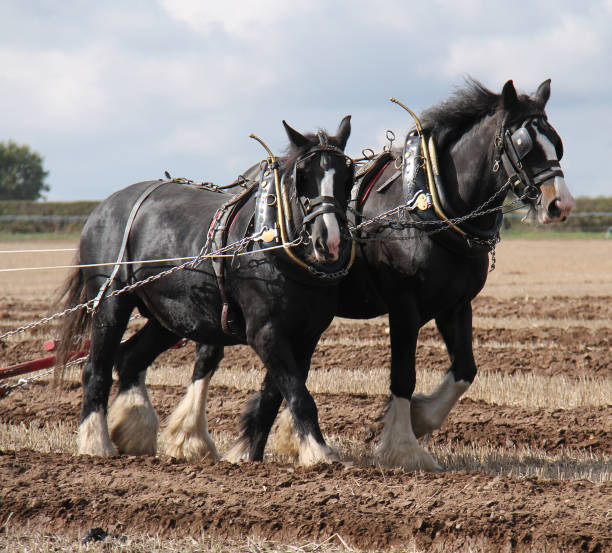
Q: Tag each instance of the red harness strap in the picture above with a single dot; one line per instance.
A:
(372, 183)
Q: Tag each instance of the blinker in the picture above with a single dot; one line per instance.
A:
(522, 142)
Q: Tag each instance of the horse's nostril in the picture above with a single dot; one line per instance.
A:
(320, 245)
(553, 209)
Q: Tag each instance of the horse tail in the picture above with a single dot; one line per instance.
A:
(74, 326)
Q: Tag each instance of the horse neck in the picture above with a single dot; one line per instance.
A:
(466, 167)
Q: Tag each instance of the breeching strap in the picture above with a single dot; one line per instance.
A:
(126, 234)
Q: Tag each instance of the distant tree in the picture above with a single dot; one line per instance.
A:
(22, 176)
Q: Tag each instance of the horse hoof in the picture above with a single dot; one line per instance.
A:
(133, 423)
(285, 441)
(189, 448)
(420, 406)
(313, 452)
(238, 453)
(94, 438)
(409, 458)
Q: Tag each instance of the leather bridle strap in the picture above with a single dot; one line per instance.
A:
(514, 167)
(312, 152)
(547, 171)
(319, 206)
(512, 160)
(328, 204)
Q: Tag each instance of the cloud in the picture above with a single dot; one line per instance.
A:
(50, 89)
(575, 47)
(241, 19)
(181, 83)
(105, 88)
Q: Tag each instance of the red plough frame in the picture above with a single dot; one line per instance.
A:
(48, 362)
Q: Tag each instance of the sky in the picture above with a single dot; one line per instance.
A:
(115, 92)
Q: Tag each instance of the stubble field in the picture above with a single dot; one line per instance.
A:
(526, 453)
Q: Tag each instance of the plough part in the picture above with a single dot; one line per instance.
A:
(47, 362)
(36, 365)
(30, 367)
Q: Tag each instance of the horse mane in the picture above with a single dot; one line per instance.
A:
(467, 106)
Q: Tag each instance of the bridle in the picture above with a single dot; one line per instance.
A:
(512, 143)
(322, 204)
(310, 208)
(513, 146)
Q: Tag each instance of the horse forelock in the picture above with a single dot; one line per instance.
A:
(292, 153)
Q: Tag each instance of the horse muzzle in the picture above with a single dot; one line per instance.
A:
(327, 251)
(556, 202)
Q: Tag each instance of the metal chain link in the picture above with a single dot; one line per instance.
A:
(240, 245)
(22, 382)
(440, 226)
(44, 320)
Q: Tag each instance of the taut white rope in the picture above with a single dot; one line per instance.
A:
(40, 251)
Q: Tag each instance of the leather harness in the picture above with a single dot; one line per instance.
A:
(216, 239)
(424, 195)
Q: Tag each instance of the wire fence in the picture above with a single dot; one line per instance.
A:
(583, 221)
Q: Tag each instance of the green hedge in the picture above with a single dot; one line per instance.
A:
(61, 217)
(83, 208)
(15, 207)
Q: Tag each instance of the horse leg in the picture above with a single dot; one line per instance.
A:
(285, 440)
(108, 325)
(398, 444)
(186, 433)
(430, 411)
(256, 422)
(132, 420)
(289, 372)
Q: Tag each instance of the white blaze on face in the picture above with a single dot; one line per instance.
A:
(565, 201)
(329, 219)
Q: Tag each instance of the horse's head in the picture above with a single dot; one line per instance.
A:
(319, 174)
(530, 150)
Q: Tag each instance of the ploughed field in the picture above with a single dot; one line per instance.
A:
(526, 452)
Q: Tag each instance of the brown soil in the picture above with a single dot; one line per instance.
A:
(472, 422)
(573, 351)
(370, 508)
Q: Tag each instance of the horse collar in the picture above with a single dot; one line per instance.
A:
(426, 201)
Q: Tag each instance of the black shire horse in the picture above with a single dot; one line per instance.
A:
(279, 305)
(486, 144)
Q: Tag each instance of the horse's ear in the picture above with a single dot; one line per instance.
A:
(509, 98)
(296, 138)
(543, 93)
(343, 132)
